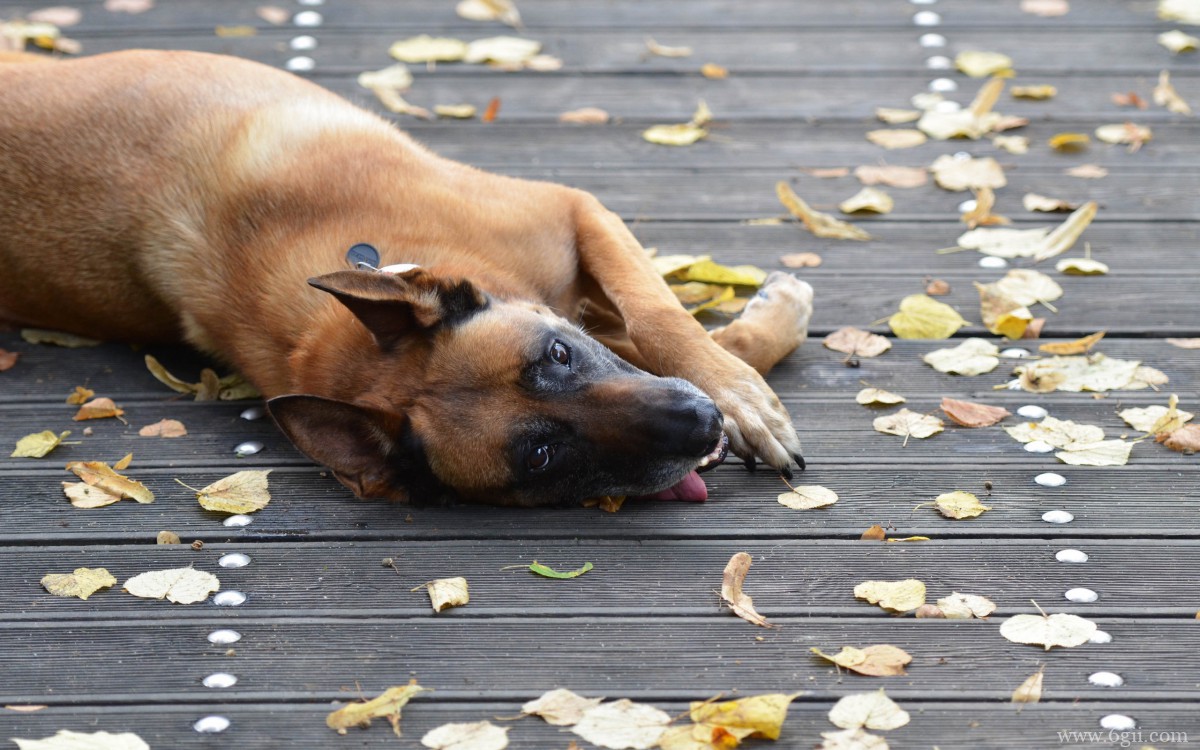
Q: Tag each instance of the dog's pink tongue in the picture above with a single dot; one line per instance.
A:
(691, 489)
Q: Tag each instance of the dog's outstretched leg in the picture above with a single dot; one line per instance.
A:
(773, 324)
(671, 343)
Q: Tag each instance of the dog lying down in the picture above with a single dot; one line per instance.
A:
(520, 350)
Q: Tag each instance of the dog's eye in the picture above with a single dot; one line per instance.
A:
(560, 353)
(540, 457)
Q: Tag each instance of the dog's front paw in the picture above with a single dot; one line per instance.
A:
(758, 425)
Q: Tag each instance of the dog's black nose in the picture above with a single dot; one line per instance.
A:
(705, 435)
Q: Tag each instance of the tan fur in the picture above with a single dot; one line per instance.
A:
(149, 196)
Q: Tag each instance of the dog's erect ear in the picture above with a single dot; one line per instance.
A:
(392, 306)
(363, 446)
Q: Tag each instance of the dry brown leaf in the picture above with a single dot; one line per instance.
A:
(1087, 172)
(178, 585)
(1165, 95)
(386, 706)
(937, 288)
(929, 612)
(857, 342)
(874, 534)
(895, 596)
(872, 661)
(892, 176)
(1078, 346)
(1046, 8)
(970, 414)
(9, 359)
(1185, 440)
(101, 476)
(166, 428)
(820, 224)
(80, 395)
(868, 199)
(491, 111)
(560, 707)
(98, 408)
(585, 116)
(897, 138)
(731, 591)
(81, 584)
(446, 592)
(239, 493)
(800, 260)
(981, 214)
(1030, 691)
(955, 174)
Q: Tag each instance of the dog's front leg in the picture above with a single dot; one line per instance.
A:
(672, 343)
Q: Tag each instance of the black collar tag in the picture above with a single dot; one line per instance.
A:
(363, 256)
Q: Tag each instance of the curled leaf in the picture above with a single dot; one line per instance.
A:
(820, 224)
(970, 414)
(966, 606)
(98, 408)
(387, 705)
(868, 199)
(1030, 690)
(547, 572)
(101, 476)
(446, 592)
(731, 590)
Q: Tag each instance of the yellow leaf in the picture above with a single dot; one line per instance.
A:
(972, 357)
(38, 444)
(959, 505)
(1081, 267)
(714, 71)
(1001, 314)
(1064, 235)
(455, 111)
(868, 710)
(872, 661)
(674, 265)
(1078, 346)
(731, 590)
(895, 596)
(82, 583)
(908, 424)
(425, 48)
(923, 317)
(820, 224)
(762, 714)
(57, 338)
(178, 585)
(1069, 141)
(446, 592)
(868, 199)
(1043, 91)
(898, 138)
(80, 395)
(385, 706)
(1177, 41)
(83, 495)
(714, 273)
(1029, 691)
(807, 497)
(683, 134)
(983, 64)
(243, 492)
(100, 475)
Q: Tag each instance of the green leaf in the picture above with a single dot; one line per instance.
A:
(548, 572)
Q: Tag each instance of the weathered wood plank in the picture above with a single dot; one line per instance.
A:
(506, 658)
(790, 578)
(255, 726)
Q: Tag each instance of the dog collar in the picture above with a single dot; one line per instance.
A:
(365, 257)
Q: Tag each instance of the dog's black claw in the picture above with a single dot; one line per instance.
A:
(799, 461)
(786, 472)
(751, 464)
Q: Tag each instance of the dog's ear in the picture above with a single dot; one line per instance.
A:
(364, 447)
(392, 306)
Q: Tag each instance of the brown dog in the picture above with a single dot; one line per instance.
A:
(154, 196)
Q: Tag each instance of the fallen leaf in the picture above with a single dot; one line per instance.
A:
(922, 317)
(479, 735)
(981, 214)
(1081, 267)
(80, 395)
(684, 134)
(1048, 631)
(455, 111)
(1130, 99)
(243, 492)
(970, 414)
(1013, 144)
(1078, 346)
(128, 6)
(235, 32)
(65, 739)
(868, 199)
(852, 739)
(1039, 92)
(387, 84)
(937, 288)
(101, 476)
(761, 715)
(502, 50)
(1177, 41)
(697, 296)
(896, 138)
(1156, 420)
(1102, 453)
(1045, 8)
(966, 606)
(1030, 691)
(1165, 95)
(166, 428)
(973, 356)
(979, 64)
(98, 408)
(714, 72)
(273, 14)
(1184, 343)
(895, 596)
(908, 424)
(1035, 202)
(820, 224)
(872, 661)
(660, 50)
(731, 591)
(1087, 172)
(1184, 11)
(807, 497)
(958, 505)
(893, 116)
(82, 583)
(827, 173)
(57, 338)
(446, 592)
(1060, 433)
(124, 463)
(167, 537)
(425, 49)
(622, 724)
(385, 706)
(26, 708)
(856, 342)
(59, 15)
(548, 572)
(874, 534)
(560, 707)
(955, 174)
(700, 737)
(892, 176)
(83, 495)
(38, 444)
(877, 397)
(585, 116)
(868, 710)
(1093, 372)
(9, 359)
(1029, 287)
(1039, 244)
(178, 585)
(709, 272)
(929, 612)
(800, 260)
(491, 111)
(1124, 133)
(1185, 439)
(210, 388)
(1034, 329)
(503, 11)
(1002, 315)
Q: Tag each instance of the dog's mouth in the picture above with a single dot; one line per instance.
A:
(692, 488)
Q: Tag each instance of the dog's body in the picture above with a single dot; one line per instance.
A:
(163, 196)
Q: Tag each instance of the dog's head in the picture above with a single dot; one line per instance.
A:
(498, 402)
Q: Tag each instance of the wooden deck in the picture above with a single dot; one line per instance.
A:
(324, 621)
